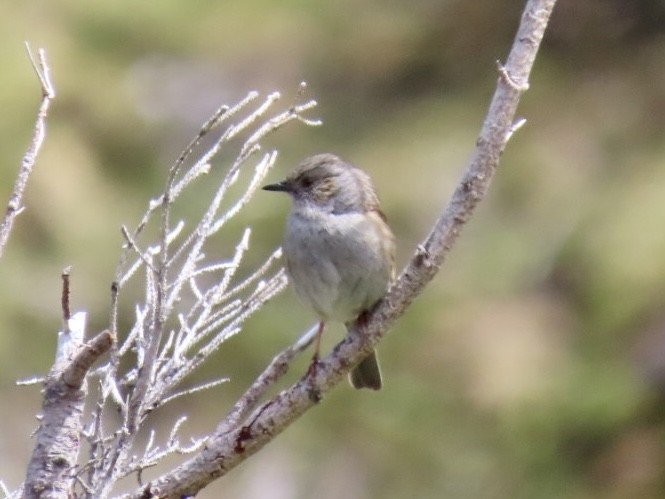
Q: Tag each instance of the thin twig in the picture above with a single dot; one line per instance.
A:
(195, 389)
(75, 372)
(277, 368)
(14, 206)
(66, 309)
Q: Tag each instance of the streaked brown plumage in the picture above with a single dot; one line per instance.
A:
(339, 250)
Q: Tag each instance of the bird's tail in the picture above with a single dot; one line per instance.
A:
(367, 374)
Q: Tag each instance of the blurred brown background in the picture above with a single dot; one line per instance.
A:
(534, 365)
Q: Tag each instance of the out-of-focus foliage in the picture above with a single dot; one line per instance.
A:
(533, 367)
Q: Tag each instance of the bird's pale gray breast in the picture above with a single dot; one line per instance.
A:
(336, 262)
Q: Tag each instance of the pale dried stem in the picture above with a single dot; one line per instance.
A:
(176, 264)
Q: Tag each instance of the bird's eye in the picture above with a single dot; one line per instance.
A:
(307, 183)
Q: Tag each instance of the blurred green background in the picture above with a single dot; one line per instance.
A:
(532, 367)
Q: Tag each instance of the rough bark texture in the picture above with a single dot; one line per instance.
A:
(50, 472)
(52, 467)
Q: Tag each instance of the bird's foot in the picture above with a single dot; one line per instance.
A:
(363, 319)
(313, 390)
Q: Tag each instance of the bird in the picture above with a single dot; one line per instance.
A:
(338, 247)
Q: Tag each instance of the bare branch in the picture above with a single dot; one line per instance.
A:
(4, 489)
(58, 438)
(74, 374)
(141, 254)
(277, 368)
(35, 380)
(14, 207)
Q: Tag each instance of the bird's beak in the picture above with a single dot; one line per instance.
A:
(283, 186)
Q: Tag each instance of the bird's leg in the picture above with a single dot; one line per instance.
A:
(317, 344)
(317, 348)
(314, 393)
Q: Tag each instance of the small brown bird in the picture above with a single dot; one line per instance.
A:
(340, 252)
